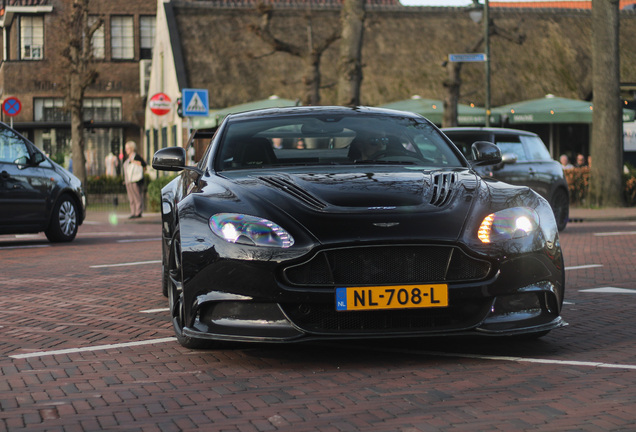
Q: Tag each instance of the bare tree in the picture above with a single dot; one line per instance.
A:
(607, 134)
(453, 83)
(81, 74)
(352, 17)
(311, 54)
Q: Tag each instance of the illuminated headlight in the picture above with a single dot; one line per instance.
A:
(507, 224)
(249, 230)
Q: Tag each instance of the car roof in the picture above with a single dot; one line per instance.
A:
(320, 110)
(493, 130)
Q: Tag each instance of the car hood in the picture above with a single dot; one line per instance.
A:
(355, 204)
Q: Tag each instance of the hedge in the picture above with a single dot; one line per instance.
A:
(579, 182)
(154, 192)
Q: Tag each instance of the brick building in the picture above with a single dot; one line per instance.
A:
(33, 71)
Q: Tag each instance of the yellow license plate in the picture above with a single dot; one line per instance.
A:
(391, 297)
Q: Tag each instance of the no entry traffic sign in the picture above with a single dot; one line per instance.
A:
(160, 104)
(11, 106)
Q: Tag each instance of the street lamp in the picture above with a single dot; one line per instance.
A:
(487, 51)
(476, 14)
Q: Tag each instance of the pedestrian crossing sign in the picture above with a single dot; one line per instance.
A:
(195, 102)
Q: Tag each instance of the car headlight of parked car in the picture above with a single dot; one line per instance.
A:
(249, 230)
(511, 223)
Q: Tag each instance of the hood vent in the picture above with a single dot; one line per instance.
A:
(294, 190)
(442, 188)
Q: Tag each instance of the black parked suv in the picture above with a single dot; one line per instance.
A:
(36, 194)
(526, 162)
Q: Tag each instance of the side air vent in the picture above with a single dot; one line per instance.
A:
(293, 190)
(442, 188)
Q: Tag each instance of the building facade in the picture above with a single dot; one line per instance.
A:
(33, 71)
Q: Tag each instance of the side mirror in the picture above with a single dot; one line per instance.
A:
(485, 153)
(170, 159)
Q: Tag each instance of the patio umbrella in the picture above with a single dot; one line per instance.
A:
(552, 109)
(433, 110)
(215, 118)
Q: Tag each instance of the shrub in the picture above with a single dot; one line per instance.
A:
(154, 192)
(579, 182)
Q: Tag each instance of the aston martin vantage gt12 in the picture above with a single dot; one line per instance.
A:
(311, 223)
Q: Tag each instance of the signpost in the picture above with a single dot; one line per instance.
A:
(160, 104)
(11, 107)
(195, 102)
(474, 57)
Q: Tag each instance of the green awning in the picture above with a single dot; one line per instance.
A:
(215, 118)
(433, 110)
(552, 109)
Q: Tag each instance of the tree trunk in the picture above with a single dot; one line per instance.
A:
(453, 85)
(606, 175)
(77, 129)
(352, 19)
(311, 80)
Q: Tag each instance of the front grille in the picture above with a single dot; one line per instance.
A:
(324, 319)
(382, 265)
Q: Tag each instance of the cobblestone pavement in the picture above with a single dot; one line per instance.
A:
(85, 345)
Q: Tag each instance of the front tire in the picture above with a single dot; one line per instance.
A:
(176, 299)
(64, 221)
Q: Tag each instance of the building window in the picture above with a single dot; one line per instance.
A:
(122, 38)
(50, 110)
(31, 37)
(147, 36)
(102, 109)
(97, 42)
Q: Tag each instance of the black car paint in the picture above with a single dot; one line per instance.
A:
(30, 189)
(362, 206)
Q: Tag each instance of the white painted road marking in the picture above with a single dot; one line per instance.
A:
(126, 264)
(609, 290)
(584, 267)
(155, 310)
(533, 360)
(430, 353)
(615, 233)
(95, 348)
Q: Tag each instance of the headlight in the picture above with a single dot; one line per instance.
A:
(249, 230)
(507, 224)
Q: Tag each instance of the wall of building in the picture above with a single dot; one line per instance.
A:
(46, 78)
(403, 53)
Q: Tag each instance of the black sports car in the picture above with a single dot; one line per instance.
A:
(329, 222)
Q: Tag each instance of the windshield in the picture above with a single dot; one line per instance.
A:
(329, 139)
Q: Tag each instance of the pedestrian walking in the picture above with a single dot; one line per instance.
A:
(134, 166)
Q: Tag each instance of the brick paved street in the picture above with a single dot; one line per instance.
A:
(68, 312)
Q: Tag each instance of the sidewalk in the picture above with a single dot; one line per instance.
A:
(120, 216)
(603, 214)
